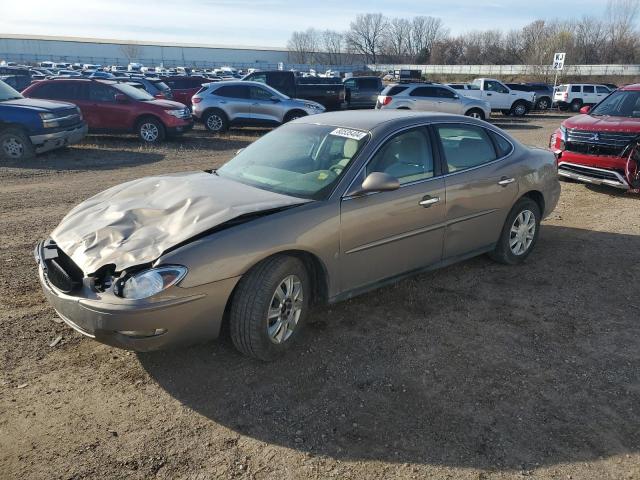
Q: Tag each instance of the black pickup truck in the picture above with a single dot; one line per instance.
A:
(328, 91)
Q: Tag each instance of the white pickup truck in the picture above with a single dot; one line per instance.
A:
(500, 97)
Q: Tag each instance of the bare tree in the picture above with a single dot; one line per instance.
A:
(131, 52)
(302, 46)
(366, 35)
(621, 17)
(425, 31)
(397, 39)
(332, 45)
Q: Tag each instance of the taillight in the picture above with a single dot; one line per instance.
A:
(196, 100)
(385, 100)
(565, 95)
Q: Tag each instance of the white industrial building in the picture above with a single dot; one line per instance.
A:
(30, 49)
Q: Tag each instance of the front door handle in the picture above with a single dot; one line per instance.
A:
(427, 201)
(504, 181)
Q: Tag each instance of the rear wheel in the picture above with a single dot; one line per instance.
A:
(519, 233)
(151, 130)
(216, 121)
(16, 145)
(269, 307)
(475, 113)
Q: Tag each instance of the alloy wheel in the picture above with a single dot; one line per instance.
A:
(522, 232)
(149, 132)
(543, 104)
(13, 147)
(475, 115)
(520, 110)
(285, 309)
(214, 122)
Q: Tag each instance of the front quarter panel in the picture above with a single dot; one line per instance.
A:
(312, 228)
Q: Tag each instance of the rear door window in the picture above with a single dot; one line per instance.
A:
(588, 89)
(424, 92)
(575, 89)
(444, 93)
(465, 146)
(232, 91)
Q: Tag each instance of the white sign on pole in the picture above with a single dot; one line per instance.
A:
(558, 61)
(280, 66)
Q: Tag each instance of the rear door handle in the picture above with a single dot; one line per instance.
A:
(504, 181)
(427, 201)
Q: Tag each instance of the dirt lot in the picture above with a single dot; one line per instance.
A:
(478, 371)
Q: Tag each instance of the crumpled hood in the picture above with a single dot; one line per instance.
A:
(135, 222)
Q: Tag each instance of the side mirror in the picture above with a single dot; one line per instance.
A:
(378, 182)
(457, 97)
(275, 99)
(585, 109)
(121, 98)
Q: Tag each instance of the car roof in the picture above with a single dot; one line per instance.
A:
(371, 119)
(632, 87)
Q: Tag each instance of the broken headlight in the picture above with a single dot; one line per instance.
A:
(150, 282)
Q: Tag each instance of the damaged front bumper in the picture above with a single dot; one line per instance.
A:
(593, 175)
(178, 316)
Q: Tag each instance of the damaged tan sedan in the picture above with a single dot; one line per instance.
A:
(319, 210)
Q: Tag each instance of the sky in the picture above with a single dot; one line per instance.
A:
(261, 22)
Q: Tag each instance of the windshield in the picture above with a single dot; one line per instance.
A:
(8, 93)
(298, 160)
(619, 104)
(134, 92)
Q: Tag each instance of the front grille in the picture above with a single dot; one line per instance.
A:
(590, 172)
(185, 114)
(61, 271)
(598, 143)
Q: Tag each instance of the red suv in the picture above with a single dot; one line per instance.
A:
(602, 145)
(185, 87)
(109, 106)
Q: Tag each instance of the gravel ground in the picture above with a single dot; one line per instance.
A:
(477, 371)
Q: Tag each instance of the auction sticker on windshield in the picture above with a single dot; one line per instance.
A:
(349, 133)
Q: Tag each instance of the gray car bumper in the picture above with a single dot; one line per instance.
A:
(187, 316)
(51, 141)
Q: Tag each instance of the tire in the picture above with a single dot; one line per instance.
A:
(253, 332)
(16, 145)
(543, 104)
(576, 105)
(475, 113)
(293, 114)
(519, 109)
(151, 130)
(506, 251)
(216, 121)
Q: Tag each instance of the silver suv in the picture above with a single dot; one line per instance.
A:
(431, 97)
(219, 105)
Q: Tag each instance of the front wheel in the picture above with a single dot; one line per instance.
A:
(151, 130)
(15, 145)
(519, 109)
(543, 104)
(519, 233)
(294, 115)
(269, 307)
(475, 113)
